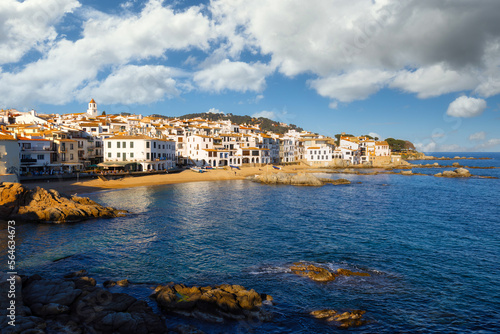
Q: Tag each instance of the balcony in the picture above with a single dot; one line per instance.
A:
(29, 160)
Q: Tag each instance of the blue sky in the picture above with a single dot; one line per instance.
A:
(424, 71)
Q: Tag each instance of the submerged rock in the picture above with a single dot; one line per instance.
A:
(213, 304)
(300, 179)
(320, 274)
(353, 318)
(19, 202)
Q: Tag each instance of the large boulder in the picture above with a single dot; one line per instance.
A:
(21, 203)
(459, 172)
(214, 304)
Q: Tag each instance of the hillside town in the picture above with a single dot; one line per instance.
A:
(54, 144)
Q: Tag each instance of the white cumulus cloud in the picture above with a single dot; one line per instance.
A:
(237, 76)
(29, 25)
(356, 85)
(466, 107)
(134, 84)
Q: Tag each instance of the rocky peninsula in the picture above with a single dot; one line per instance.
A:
(17, 202)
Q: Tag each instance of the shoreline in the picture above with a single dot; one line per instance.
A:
(188, 176)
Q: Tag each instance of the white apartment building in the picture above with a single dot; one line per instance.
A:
(319, 154)
(138, 153)
(35, 154)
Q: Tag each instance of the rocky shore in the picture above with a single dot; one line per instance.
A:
(75, 304)
(18, 202)
(300, 179)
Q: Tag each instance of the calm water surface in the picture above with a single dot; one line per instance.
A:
(431, 245)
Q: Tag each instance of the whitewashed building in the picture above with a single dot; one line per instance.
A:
(138, 153)
(9, 159)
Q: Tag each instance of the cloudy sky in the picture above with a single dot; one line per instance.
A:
(423, 70)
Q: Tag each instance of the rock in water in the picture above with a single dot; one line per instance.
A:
(459, 172)
(320, 274)
(301, 179)
(213, 304)
(19, 202)
(343, 320)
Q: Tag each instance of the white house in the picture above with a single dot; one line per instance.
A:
(35, 154)
(382, 149)
(9, 158)
(319, 154)
(138, 153)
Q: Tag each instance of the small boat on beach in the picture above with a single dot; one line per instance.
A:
(235, 167)
(197, 170)
(278, 168)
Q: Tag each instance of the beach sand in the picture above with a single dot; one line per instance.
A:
(72, 187)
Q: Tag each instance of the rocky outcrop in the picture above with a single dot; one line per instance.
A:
(214, 304)
(321, 274)
(22, 203)
(76, 305)
(344, 320)
(459, 172)
(300, 179)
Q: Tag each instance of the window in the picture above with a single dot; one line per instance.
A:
(131, 154)
(117, 144)
(93, 129)
(40, 157)
(71, 156)
(131, 144)
(154, 144)
(118, 155)
(63, 156)
(147, 156)
(109, 144)
(124, 144)
(147, 144)
(70, 146)
(109, 154)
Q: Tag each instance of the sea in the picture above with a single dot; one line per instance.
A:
(431, 246)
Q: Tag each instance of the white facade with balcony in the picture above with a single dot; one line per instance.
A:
(138, 153)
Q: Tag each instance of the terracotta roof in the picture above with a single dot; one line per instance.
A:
(4, 136)
(92, 101)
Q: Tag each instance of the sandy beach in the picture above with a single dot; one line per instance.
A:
(71, 187)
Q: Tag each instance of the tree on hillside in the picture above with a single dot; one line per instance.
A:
(103, 113)
(396, 145)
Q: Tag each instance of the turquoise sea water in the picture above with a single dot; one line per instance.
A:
(431, 245)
